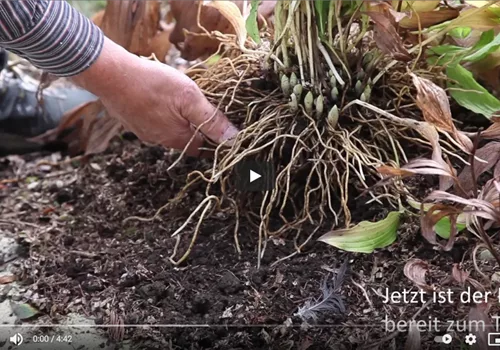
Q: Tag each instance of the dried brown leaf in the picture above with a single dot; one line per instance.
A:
(233, 14)
(191, 39)
(458, 275)
(77, 127)
(493, 132)
(435, 106)
(160, 44)
(489, 155)
(480, 207)
(386, 36)
(103, 131)
(385, 8)
(431, 218)
(429, 167)
(415, 270)
(429, 131)
(6, 279)
(97, 18)
(391, 171)
(417, 20)
(131, 24)
(417, 5)
(482, 20)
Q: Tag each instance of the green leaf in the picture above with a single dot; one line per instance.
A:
(460, 32)
(485, 38)
(443, 226)
(24, 311)
(366, 236)
(446, 49)
(251, 23)
(469, 93)
(446, 54)
(485, 49)
(213, 59)
(321, 7)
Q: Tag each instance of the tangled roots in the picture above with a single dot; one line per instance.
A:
(320, 167)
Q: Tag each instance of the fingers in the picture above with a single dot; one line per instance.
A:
(214, 124)
(193, 149)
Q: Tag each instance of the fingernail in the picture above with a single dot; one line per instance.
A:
(229, 135)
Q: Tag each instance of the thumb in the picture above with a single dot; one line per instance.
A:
(214, 124)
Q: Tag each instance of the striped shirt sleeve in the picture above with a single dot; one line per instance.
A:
(52, 35)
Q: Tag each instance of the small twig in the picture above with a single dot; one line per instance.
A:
(474, 260)
(364, 292)
(84, 254)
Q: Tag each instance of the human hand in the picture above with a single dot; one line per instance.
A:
(164, 106)
(156, 102)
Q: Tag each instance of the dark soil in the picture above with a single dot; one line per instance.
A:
(82, 257)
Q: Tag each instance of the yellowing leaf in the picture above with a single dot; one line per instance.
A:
(478, 3)
(366, 236)
(417, 6)
(233, 14)
(417, 20)
(480, 19)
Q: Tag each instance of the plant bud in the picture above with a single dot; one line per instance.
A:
(293, 79)
(294, 105)
(308, 102)
(367, 92)
(319, 105)
(335, 94)
(297, 90)
(361, 74)
(333, 117)
(330, 73)
(367, 58)
(285, 85)
(333, 81)
(363, 97)
(358, 87)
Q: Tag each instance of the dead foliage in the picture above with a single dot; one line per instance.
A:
(415, 270)
(194, 23)
(385, 34)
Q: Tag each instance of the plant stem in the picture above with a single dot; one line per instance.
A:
(310, 41)
(331, 15)
(330, 64)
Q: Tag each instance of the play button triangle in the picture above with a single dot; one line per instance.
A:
(254, 176)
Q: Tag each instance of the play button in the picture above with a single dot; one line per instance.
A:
(254, 176)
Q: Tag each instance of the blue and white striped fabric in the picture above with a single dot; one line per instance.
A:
(52, 35)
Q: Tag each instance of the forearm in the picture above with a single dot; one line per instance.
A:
(52, 35)
(111, 72)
